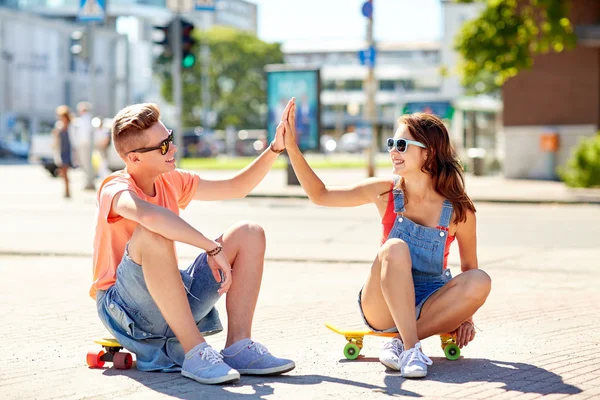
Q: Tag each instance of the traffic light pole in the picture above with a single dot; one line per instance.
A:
(177, 88)
(89, 185)
(370, 101)
(205, 82)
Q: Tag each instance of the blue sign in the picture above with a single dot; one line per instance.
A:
(367, 9)
(367, 57)
(91, 11)
(205, 5)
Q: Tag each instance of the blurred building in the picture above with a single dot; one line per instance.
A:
(476, 126)
(38, 73)
(558, 96)
(404, 71)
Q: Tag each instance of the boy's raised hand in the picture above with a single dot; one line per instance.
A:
(279, 140)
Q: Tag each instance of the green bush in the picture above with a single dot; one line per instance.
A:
(583, 169)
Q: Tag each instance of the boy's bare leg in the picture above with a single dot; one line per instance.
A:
(156, 255)
(244, 244)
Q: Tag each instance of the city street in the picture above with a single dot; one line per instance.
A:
(538, 332)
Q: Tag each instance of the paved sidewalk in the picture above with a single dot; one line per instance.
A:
(539, 330)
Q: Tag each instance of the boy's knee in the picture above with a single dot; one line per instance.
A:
(143, 241)
(251, 230)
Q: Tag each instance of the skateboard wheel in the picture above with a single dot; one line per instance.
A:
(452, 352)
(351, 351)
(122, 360)
(94, 360)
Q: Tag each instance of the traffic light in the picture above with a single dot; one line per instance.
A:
(79, 44)
(163, 48)
(188, 58)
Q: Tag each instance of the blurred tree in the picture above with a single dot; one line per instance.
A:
(237, 79)
(506, 36)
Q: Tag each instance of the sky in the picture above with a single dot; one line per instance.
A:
(394, 20)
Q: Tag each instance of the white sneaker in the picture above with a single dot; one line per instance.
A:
(390, 354)
(414, 363)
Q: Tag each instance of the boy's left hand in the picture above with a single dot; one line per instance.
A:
(279, 141)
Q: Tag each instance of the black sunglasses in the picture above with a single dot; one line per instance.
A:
(402, 144)
(163, 146)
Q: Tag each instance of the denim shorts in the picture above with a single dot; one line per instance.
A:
(130, 314)
(425, 286)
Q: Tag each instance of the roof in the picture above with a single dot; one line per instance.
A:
(341, 45)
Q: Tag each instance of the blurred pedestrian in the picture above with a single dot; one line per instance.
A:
(63, 139)
(102, 142)
(83, 141)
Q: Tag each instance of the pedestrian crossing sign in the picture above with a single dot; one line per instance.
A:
(91, 11)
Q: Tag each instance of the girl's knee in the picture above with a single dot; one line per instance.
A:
(394, 255)
(394, 250)
(479, 284)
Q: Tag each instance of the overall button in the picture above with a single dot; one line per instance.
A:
(111, 306)
(400, 219)
(442, 234)
(145, 334)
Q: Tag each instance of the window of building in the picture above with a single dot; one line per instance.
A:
(387, 85)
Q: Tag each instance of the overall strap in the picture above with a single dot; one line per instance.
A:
(398, 196)
(446, 214)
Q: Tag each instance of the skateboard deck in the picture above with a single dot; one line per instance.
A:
(111, 353)
(355, 342)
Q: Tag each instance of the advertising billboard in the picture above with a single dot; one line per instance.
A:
(304, 85)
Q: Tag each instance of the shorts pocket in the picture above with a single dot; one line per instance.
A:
(134, 324)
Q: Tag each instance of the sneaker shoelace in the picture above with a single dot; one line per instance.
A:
(413, 354)
(259, 348)
(211, 355)
(396, 346)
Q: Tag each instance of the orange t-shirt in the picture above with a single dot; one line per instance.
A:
(174, 190)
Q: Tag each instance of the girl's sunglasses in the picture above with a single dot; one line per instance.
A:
(163, 146)
(402, 144)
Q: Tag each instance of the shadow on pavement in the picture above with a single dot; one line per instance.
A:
(248, 387)
(514, 376)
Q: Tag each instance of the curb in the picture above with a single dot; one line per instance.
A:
(475, 199)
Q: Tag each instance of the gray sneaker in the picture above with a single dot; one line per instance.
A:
(205, 365)
(414, 363)
(252, 358)
(390, 354)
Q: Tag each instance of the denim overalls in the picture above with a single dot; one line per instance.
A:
(426, 245)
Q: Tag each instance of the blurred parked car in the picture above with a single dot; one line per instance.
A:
(200, 143)
(352, 142)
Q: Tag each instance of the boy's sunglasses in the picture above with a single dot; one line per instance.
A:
(402, 144)
(163, 146)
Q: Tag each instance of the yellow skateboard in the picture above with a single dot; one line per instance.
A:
(111, 353)
(355, 342)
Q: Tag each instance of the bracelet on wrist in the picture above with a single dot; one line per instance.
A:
(215, 251)
(276, 151)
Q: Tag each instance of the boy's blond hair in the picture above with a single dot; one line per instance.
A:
(130, 124)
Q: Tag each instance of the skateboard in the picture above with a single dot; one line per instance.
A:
(355, 342)
(111, 353)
